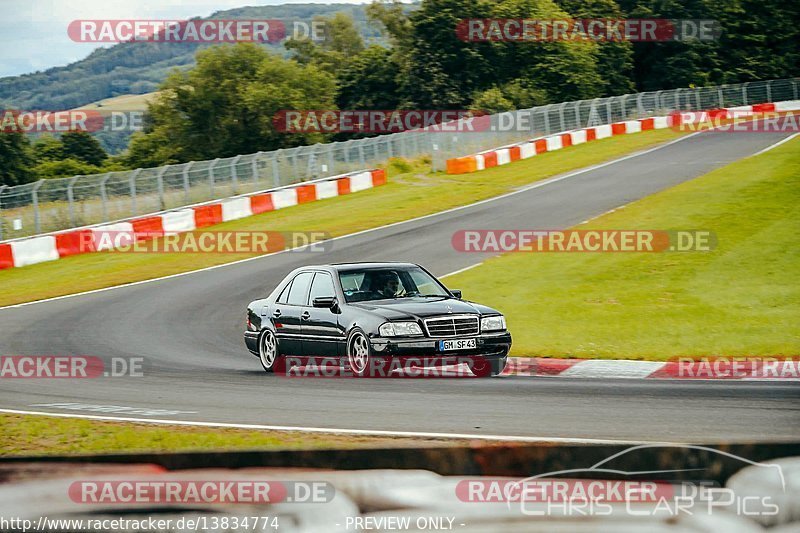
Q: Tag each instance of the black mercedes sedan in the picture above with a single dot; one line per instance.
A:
(358, 312)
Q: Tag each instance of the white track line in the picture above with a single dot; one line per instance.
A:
(364, 432)
(770, 147)
(460, 270)
(536, 185)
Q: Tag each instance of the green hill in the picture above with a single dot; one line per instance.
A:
(139, 67)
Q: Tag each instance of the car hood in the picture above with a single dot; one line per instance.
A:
(417, 308)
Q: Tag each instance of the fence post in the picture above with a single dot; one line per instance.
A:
(71, 200)
(234, 176)
(254, 168)
(578, 122)
(721, 97)
(769, 91)
(104, 196)
(546, 113)
(2, 188)
(293, 155)
(37, 223)
(561, 116)
(361, 153)
(211, 177)
(161, 187)
(744, 92)
(332, 158)
(347, 153)
(276, 171)
(186, 168)
(794, 89)
(134, 174)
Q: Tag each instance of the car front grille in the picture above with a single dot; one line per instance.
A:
(452, 326)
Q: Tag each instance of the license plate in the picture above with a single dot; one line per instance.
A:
(458, 344)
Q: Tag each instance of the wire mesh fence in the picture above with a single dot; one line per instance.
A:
(58, 204)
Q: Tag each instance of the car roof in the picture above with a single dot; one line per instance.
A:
(361, 265)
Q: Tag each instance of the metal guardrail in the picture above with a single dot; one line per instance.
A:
(59, 204)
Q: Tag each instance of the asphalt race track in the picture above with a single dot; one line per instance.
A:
(189, 330)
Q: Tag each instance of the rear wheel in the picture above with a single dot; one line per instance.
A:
(268, 350)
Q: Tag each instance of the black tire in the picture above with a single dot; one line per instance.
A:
(268, 342)
(359, 353)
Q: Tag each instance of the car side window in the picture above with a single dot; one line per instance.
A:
(299, 289)
(321, 287)
(284, 294)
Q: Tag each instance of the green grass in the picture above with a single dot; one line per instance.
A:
(44, 435)
(742, 298)
(406, 195)
(123, 103)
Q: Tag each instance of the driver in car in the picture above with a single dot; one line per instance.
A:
(391, 285)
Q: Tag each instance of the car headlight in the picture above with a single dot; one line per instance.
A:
(399, 329)
(493, 323)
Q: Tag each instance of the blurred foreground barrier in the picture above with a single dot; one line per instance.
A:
(515, 459)
(57, 493)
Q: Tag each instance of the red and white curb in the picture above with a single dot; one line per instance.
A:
(527, 149)
(50, 247)
(745, 369)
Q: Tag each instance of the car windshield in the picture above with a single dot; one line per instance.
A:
(383, 283)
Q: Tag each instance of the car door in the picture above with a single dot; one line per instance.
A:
(321, 332)
(287, 314)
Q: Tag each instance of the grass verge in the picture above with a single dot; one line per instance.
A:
(407, 195)
(742, 298)
(44, 435)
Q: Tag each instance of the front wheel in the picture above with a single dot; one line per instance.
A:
(358, 353)
(268, 350)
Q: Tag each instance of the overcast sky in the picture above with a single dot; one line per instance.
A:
(33, 33)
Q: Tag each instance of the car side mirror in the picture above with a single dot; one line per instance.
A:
(325, 302)
(456, 293)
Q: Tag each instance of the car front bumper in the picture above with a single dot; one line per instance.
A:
(488, 345)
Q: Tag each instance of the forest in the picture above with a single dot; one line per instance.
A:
(219, 100)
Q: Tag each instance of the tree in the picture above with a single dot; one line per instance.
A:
(80, 145)
(340, 42)
(15, 159)
(48, 148)
(369, 81)
(758, 40)
(225, 106)
(614, 59)
(64, 168)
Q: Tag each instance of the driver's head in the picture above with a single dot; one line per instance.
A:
(391, 284)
